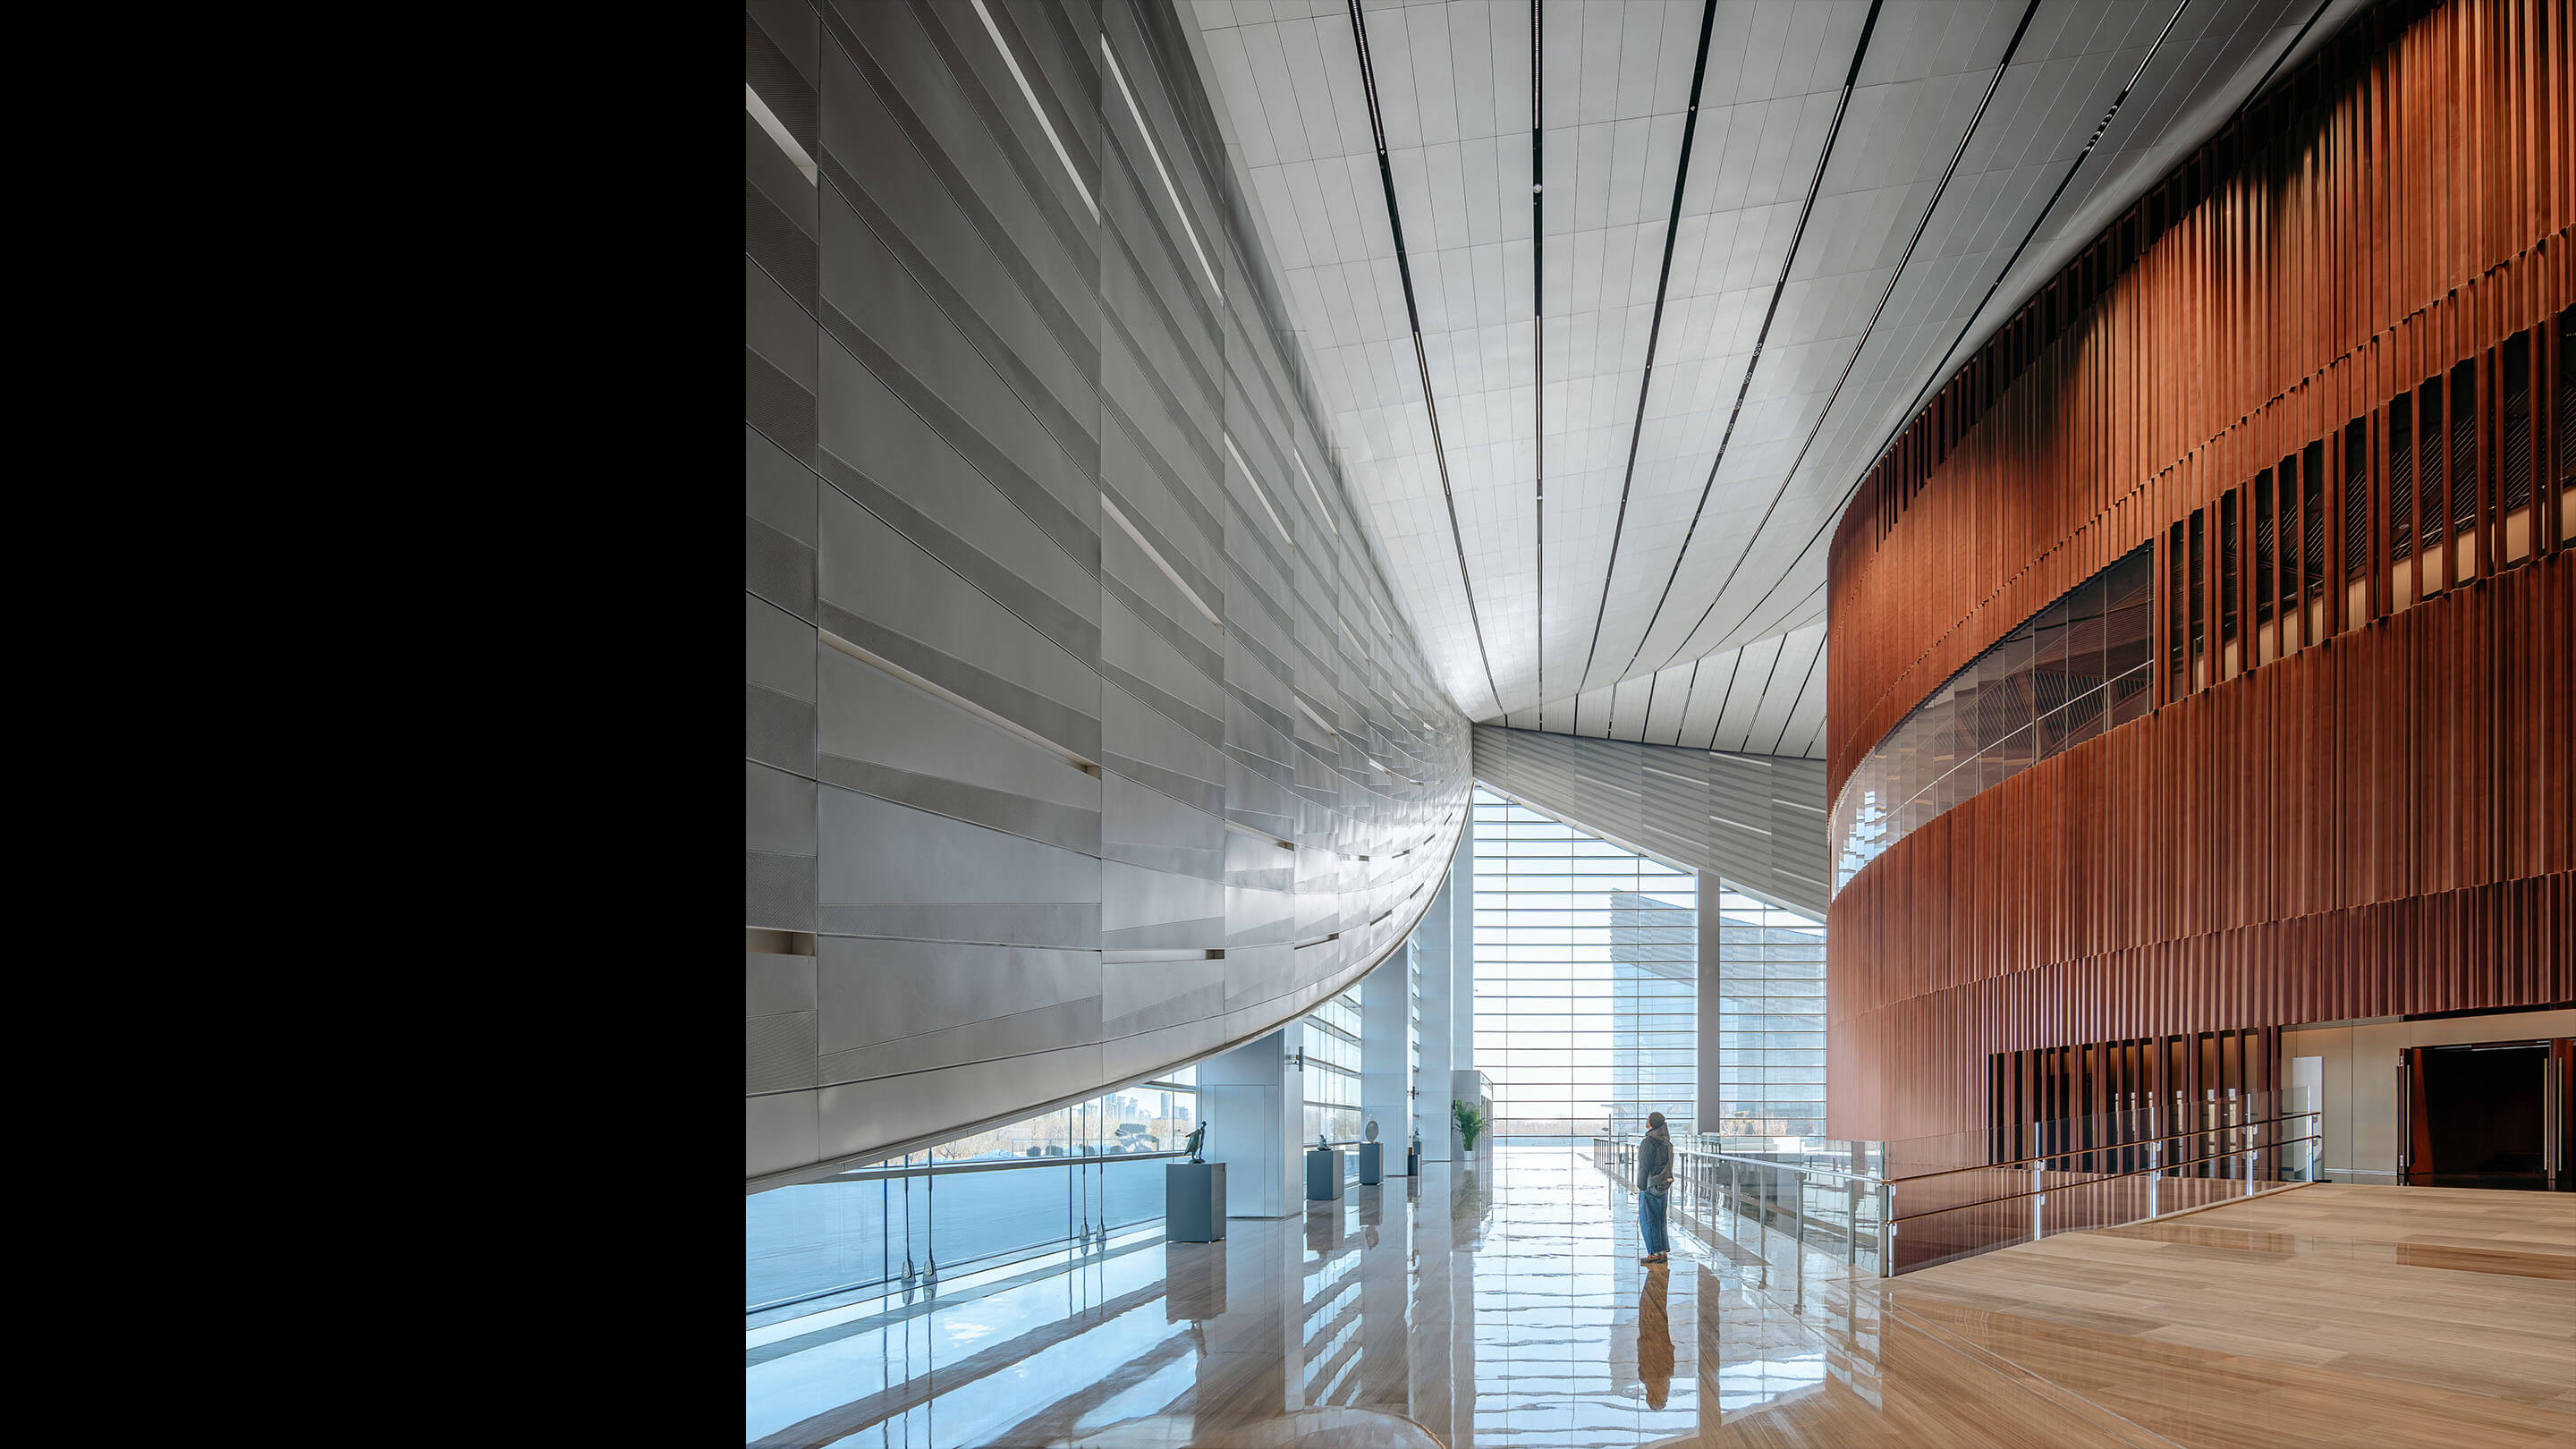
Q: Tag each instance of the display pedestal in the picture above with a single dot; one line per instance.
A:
(1193, 1202)
(1323, 1174)
(1413, 1162)
(1372, 1163)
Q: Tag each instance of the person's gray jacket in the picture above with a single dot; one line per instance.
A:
(1654, 1162)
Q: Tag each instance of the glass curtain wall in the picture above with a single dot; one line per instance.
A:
(1586, 980)
(1771, 1020)
(991, 1198)
(1332, 1046)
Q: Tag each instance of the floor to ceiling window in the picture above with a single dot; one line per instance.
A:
(1332, 1047)
(1586, 979)
(1771, 1019)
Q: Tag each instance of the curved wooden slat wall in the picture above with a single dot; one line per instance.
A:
(2377, 824)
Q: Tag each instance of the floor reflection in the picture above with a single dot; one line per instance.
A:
(1497, 1305)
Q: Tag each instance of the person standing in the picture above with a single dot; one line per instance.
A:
(1654, 1181)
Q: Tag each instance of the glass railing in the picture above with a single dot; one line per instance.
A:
(2104, 1171)
(1889, 1208)
(1821, 1196)
(910, 1225)
(1062, 1182)
(2074, 670)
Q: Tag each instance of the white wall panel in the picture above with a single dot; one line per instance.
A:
(1065, 736)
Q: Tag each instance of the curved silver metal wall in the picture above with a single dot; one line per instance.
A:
(1082, 735)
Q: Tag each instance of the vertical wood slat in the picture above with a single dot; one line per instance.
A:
(2375, 822)
(2420, 260)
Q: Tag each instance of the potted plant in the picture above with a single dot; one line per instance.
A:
(1471, 1121)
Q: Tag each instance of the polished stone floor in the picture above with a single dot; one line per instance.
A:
(1504, 1305)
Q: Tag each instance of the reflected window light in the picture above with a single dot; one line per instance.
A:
(1764, 1381)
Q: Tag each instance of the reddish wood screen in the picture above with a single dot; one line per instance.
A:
(2324, 367)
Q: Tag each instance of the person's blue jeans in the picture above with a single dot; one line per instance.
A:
(1650, 1221)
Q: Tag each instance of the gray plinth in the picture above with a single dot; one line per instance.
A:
(1372, 1162)
(1193, 1202)
(1323, 1174)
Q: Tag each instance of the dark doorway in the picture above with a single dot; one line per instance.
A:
(2486, 1115)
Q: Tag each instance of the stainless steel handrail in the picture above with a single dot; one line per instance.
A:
(1017, 1164)
(2155, 1143)
(2090, 1148)
(2157, 1170)
(1778, 1162)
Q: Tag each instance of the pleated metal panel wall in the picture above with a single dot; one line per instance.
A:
(2360, 806)
(1758, 821)
(1073, 752)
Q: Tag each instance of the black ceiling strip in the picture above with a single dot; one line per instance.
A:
(1734, 667)
(1842, 104)
(1686, 699)
(1538, 336)
(1654, 334)
(1413, 316)
(1923, 224)
(2278, 61)
(1746, 746)
(1939, 372)
(1791, 716)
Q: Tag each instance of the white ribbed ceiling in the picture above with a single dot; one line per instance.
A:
(1660, 576)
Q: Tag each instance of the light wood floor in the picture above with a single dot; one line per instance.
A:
(1506, 1307)
(2328, 1315)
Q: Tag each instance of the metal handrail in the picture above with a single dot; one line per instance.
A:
(2156, 1170)
(2090, 1148)
(1017, 1164)
(1799, 1167)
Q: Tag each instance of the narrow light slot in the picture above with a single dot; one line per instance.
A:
(1156, 152)
(1318, 941)
(1317, 718)
(1355, 642)
(1110, 508)
(1382, 628)
(1740, 825)
(1389, 911)
(1257, 491)
(949, 696)
(768, 120)
(1312, 491)
(1035, 109)
(1381, 769)
(1258, 835)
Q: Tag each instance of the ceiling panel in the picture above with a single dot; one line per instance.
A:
(1637, 510)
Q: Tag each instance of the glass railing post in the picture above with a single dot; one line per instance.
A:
(1798, 1185)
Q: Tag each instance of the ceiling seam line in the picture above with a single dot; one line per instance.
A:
(1744, 389)
(1654, 336)
(1413, 315)
(1538, 347)
(1938, 376)
(1850, 364)
(1687, 696)
(1790, 717)
(1724, 699)
(1764, 697)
